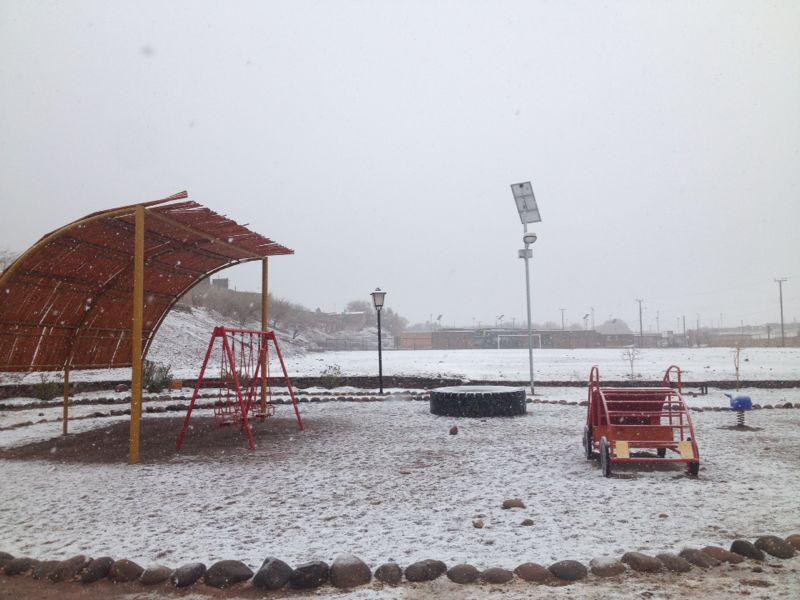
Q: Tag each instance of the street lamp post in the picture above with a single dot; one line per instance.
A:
(377, 300)
(528, 213)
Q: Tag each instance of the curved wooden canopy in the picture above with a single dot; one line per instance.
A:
(67, 301)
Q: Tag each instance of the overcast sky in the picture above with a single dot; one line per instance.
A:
(379, 140)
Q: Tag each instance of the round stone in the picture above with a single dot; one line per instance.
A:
(568, 570)
(777, 547)
(533, 572)
(187, 574)
(642, 562)
(425, 570)
(390, 573)
(674, 563)
(273, 574)
(746, 549)
(463, 574)
(226, 573)
(606, 567)
(496, 575)
(348, 571)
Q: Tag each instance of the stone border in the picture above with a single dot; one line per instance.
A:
(181, 404)
(347, 571)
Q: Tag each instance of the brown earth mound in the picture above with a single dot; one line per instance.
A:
(109, 444)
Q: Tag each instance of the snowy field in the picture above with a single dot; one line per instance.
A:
(698, 364)
(384, 480)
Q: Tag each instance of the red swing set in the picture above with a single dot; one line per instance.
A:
(244, 386)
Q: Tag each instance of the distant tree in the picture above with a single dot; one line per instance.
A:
(614, 326)
(360, 306)
(393, 322)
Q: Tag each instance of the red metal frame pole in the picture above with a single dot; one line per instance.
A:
(196, 389)
(243, 411)
(271, 335)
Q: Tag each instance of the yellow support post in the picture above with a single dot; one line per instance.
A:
(66, 399)
(136, 335)
(264, 327)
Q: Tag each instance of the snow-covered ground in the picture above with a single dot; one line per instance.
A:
(698, 364)
(385, 480)
(185, 356)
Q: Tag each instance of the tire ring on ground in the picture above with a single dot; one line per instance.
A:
(478, 401)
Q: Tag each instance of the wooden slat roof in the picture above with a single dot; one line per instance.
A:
(67, 300)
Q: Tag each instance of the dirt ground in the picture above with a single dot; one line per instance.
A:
(109, 444)
(775, 579)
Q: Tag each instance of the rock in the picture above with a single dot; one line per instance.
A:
(674, 563)
(723, 555)
(97, 569)
(527, 523)
(155, 574)
(606, 567)
(698, 558)
(772, 544)
(273, 574)
(121, 387)
(390, 573)
(746, 549)
(513, 503)
(478, 523)
(463, 574)
(44, 569)
(68, 570)
(5, 558)
(454, 430)
(793, 539)
(348, 571)
(533, 572)
(309, 575)
(568, 570)
(497, 575)
(642, 562)
(225, 573)
(425, 570)
(18, 566)
(187, 574)
(124, 570)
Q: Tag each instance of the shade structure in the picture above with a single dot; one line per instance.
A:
(67, 302)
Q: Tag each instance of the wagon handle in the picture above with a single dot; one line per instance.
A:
(667, 381)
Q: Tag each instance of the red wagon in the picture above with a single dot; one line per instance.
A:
(621, 422)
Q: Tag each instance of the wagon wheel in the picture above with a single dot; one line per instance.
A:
(694, 468)
(605, 458)
(661, 452)
(587, 443)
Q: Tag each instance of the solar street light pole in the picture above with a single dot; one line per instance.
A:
(528, 213)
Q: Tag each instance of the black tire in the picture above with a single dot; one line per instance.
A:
(605, 458)
(588, 443)
(694, 468)
(661, 452)
(478, 401)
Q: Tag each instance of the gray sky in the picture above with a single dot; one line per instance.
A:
(379, 139)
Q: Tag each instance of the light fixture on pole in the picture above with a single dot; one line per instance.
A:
(377, 299)
(528, 213)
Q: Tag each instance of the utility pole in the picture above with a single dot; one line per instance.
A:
(592, 318)
(658, 322)
(562, 317)
(641, 328)
(685, 339)
(780, 281)
(697, 342)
